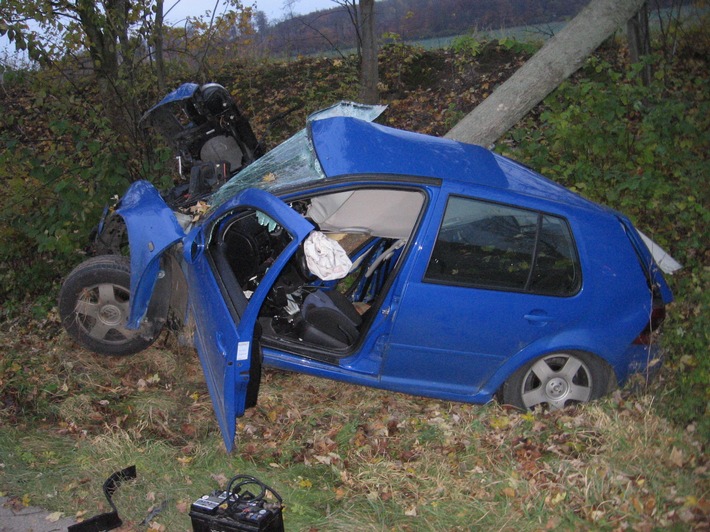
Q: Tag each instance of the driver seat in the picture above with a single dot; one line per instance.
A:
(329, 320)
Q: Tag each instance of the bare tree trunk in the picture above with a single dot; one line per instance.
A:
(107, 36)
(638, 35)
(368, 65)
(102, 40)
(351, 8)
(158, 40)
(561, 56)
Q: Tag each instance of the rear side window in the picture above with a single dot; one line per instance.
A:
(488, 245)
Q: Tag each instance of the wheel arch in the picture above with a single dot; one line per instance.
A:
(495, 384)
(172, 289)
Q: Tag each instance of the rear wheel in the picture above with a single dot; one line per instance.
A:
(94, 306)
(556, 381)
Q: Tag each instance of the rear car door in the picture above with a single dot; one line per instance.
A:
(224, 315)
(497, 279)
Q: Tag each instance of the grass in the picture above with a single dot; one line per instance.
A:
(342, 457)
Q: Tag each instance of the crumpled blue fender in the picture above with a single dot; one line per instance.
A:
(152, 228)
(183, 92)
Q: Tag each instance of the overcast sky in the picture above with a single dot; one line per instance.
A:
(180, 9)
(274, 9)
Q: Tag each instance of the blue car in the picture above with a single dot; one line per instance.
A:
(386, 258)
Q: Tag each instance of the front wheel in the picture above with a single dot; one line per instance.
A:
(556, 381)
(94, 306)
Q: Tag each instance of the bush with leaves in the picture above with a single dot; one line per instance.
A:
(62, 164)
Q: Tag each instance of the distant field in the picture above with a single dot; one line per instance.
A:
(519, 33)
(541, 32)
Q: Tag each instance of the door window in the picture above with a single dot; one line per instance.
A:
(489, 245)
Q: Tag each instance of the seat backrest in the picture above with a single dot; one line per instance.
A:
(329, 319)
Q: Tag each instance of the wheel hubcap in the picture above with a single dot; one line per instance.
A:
(110, 315)
(557, 388)
(102, 312)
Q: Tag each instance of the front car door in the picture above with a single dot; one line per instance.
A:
(224, 315)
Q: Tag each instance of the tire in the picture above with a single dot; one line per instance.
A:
(557, 380)
(94, 306)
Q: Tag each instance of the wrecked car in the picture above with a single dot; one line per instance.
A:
(209, 135)
(211, 140)
(386, 258)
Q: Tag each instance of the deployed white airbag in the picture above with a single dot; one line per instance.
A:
(325, 258)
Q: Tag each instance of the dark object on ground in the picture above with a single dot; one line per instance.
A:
(109, 520)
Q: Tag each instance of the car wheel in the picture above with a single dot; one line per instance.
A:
(556, 380)
(93, 307)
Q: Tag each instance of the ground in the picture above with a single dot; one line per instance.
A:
(15, 517)
(337, 453)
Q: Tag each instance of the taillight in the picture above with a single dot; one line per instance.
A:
(658, 315)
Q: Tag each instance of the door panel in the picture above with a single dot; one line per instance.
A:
(454, 338)
(223, 333)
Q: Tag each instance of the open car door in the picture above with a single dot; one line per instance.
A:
(224, 313)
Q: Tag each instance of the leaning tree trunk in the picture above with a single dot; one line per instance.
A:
(368, 63)
(553, 63)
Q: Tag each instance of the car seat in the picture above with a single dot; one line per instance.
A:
(329, 320)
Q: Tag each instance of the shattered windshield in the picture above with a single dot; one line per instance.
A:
(293, 161)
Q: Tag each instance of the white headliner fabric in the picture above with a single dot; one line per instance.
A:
(377, 212)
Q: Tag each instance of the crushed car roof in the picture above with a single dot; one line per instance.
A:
(347, 146)
(342, 141)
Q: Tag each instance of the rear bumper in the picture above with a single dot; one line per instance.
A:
(644, 361)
